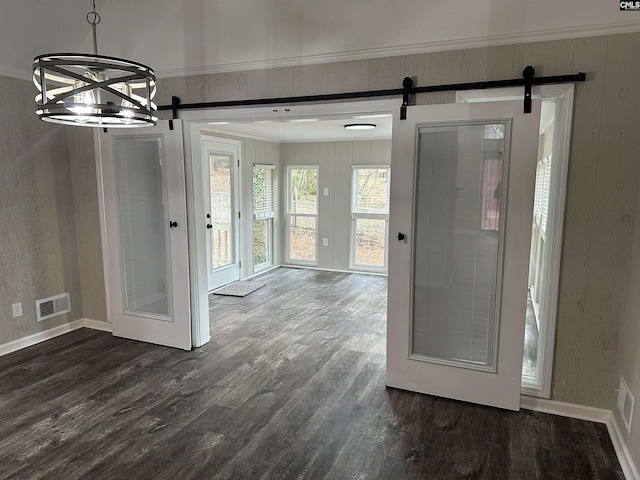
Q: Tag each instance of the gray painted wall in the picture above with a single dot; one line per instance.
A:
(38, 235)
(85, 201)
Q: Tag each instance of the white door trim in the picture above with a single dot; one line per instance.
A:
(563, 96)
(193, 121)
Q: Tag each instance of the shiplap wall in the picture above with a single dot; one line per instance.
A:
(334, 160)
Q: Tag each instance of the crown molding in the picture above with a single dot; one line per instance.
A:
(366, 54)
(418, 48)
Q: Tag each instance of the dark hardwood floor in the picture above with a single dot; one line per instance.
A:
(291, 386)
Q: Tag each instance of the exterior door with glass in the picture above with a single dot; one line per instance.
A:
(145, 238)
(461, 202)
(220, 164)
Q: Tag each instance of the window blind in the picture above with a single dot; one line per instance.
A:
(263, 195)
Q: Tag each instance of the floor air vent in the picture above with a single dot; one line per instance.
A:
(625, 403)
(53, 306)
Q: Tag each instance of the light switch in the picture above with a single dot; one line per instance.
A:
(325, 242)
(325, 192)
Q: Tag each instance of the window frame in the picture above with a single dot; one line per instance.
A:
(355, 216)
(289, 215)
(268, 218)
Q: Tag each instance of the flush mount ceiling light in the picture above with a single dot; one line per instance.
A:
(94, 90)
(360, 126)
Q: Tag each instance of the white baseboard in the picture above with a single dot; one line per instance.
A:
(359, 272)
(39, 337)
(572, 410)
(273, 267)
(599, 415)
(624, 455)
(97, 325)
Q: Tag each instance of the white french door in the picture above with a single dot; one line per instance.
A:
(145, 219)
(220, 169)
(460, 222)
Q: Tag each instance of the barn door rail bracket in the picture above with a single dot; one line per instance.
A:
(408, 90)
(175, 105)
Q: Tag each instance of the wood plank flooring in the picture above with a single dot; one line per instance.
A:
(291, 386)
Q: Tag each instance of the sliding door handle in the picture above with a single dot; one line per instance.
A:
(401, 236)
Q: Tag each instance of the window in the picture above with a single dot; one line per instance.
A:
(369, 218)
(263, 215)
(541, 198)
(302, 214)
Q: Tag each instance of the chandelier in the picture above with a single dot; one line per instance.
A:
(94, 90)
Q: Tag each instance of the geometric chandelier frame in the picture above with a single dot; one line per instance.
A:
(94, 90)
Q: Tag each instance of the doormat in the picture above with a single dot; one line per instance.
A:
(239, 289)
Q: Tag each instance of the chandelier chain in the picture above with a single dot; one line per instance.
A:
(93, 18)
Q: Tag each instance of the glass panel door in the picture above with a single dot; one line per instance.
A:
(142, 222)
(220, 163)
(145, 239)
(222, 217)
(458, 242)
(461, 202)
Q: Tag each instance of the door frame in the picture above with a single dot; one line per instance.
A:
(236, 196)
(562, 94)
(193, 122)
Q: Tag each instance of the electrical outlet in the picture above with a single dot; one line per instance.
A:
(16, 309)
(326, 191)
(325, 242)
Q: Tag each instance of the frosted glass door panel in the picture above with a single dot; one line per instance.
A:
(222, 219)
(458, 243)
(143, 223)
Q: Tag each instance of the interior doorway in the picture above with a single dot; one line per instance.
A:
(221, 172)
(270, 139)
(236, 122)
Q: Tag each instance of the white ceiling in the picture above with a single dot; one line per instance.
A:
(178, 37)
(322, 129)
